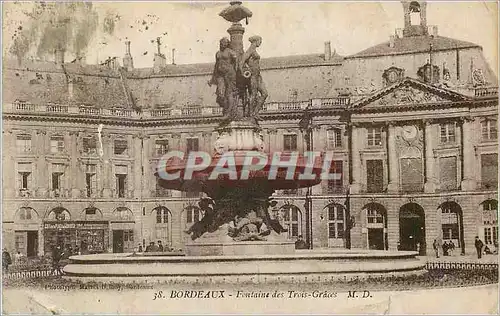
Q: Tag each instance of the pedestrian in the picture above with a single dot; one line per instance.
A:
(139, 248)
(445, 248)
(300, 243)
(160, 246)
(452, 247)
(437, 245)
(479, 247)
(6, 260)
(57, 254)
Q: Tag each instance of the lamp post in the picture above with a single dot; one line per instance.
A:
(305, 125)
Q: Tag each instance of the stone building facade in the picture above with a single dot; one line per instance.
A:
(412, 124)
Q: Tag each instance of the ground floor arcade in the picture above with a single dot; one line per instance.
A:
(379, 222)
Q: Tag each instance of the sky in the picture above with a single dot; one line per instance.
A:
(194, 29)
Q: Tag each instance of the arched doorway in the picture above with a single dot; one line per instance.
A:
(58, 230)
(26, 227)
(376, 226)
(452, 225)
(488, 230)
(336, 225)
(162, 218)
(412, 228)
(122, 226)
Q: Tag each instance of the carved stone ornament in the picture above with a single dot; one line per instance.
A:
(409, 95)
(392, 75)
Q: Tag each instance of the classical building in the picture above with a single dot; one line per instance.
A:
(412, 124)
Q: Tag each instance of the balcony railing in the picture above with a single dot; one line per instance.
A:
(486, 92)
(198, 110)
(161, 193)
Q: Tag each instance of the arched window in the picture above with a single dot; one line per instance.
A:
(193, 214)
(123, 214)
(163, 226)
(292, 219)
(91, 213)
(26, 214)
(336, 221)
(59, 214)
(490, 222)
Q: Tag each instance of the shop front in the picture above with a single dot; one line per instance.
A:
(76, 236)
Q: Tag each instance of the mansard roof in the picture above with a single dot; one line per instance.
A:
(412, 45)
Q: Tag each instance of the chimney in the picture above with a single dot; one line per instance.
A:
(59, 56)
(328, 51)
(391, 41)
(159, 61)
(128, 61)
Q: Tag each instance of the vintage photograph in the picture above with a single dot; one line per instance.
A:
(168, 158)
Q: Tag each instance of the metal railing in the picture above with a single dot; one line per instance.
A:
(437, 265)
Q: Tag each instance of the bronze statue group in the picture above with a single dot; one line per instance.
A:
(238, 80)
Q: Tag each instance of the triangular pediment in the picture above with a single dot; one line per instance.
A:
(409, 92)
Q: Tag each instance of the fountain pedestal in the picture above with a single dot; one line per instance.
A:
(219, 243)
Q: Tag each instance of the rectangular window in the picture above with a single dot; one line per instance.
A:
(374, 136)
(89, 145)
(120, 146)
(23, 143)
(487, 235)
(374, 176)
(489, 129)
(161, 147)
(447, 133)
(489, 171)
(412, 176)
(121, 180)
(450, 231)
(91, 180)
(448, 173)
(192, 144)
(56, 144)
(336, 185)
(374, 217)
(56, 181)
(334, 138)
(290, 142)
(24, 175)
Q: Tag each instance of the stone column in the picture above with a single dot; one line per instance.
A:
(272, 132)
(76, 172)
(10, 167)
(40, 176)
(468, 155)
(107, 176)
(393, 160)
(137, 166)
(430, 176)
(356, 139)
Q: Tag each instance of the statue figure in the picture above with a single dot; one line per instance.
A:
(249, 227)
(224, 76)
(205, 224)
(250, 61)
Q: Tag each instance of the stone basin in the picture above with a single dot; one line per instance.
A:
(301, 266)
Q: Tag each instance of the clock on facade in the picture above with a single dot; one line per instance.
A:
(409, 132)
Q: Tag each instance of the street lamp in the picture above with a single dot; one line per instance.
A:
(305, 125)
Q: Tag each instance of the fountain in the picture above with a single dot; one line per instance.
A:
(237, 239)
